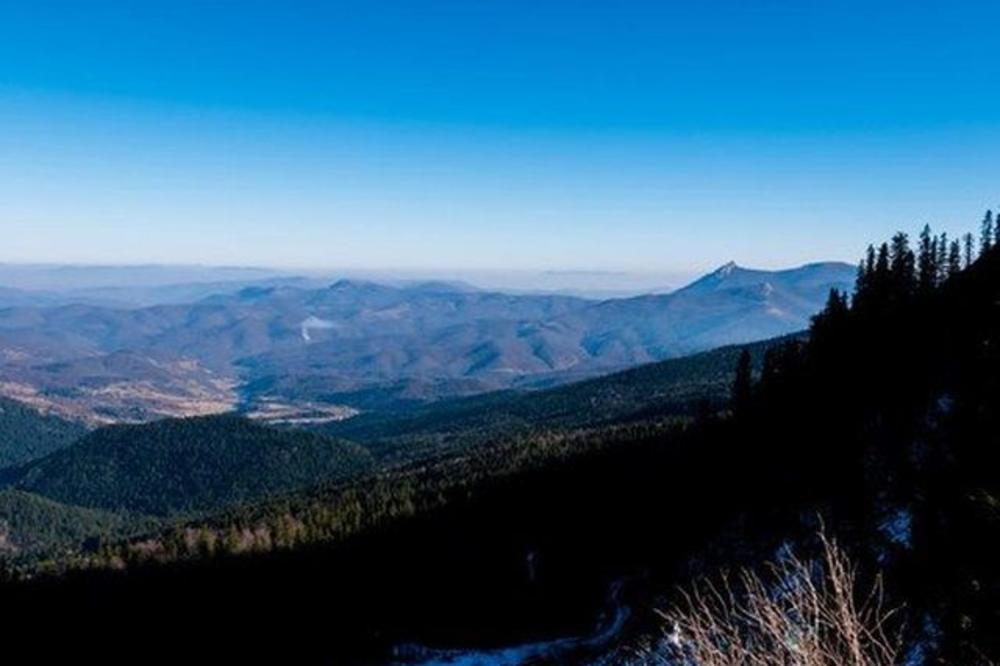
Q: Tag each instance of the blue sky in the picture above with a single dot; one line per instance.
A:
(637, 136)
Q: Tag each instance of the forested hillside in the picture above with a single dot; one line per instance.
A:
(676, 387)
(26, 434)
(185, 465)
(31, 525)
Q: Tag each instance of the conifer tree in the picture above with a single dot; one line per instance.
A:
(967, 242)
(986, 233)
(861, 279)
(925, 261)
(954, 258)
(831, 318)
(836, 305)
(942, 258)
(902, 266)
(934, 258)
(882, 261)
(863, 284)
(881, 277)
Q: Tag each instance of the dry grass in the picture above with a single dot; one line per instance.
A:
(800, 613)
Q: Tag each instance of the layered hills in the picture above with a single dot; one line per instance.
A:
(368, 346)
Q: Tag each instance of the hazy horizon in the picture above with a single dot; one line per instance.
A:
(68, 278)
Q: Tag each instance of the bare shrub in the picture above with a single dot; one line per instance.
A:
(799, 613)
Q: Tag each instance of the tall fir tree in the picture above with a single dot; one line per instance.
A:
(925, 261)
(967, 243)
(870, 261)
(954, 258)
(882, 275)
(828, 325)
(902, 266)
(986, 233)
(860, 280)
(942, 258)
(863, 284)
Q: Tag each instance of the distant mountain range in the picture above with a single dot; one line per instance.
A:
(368, 345)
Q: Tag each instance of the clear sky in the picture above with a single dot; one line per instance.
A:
(637, 136)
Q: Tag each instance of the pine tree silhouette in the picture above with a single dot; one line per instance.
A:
(986, 233)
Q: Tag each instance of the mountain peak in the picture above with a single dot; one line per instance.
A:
(726, 269)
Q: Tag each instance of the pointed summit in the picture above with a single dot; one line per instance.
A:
(725, 276)
(725, 270)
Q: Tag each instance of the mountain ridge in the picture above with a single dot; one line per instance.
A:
(290, 343)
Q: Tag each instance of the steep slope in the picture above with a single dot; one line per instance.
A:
(26, 434)
(185, 465)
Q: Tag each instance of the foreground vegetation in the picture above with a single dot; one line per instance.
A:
(809, 613)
